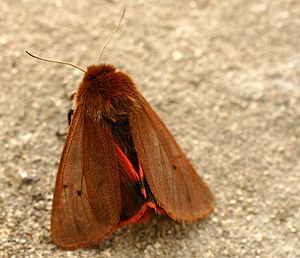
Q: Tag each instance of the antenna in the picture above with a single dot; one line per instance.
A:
(56, 61)
(111, 34)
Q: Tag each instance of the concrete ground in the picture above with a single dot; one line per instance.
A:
(223, 75)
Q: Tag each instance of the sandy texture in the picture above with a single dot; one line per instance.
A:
(224, 76)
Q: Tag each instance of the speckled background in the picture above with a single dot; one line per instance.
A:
(223, 75)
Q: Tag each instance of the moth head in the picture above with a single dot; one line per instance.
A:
(106, 92)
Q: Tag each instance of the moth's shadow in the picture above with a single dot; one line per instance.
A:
(158, 231)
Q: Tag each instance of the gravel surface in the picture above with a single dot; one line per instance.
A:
(223, 75)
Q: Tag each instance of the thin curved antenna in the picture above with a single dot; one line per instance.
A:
(56, 61)
(111, 34)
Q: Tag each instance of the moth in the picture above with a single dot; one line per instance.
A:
(119, 161)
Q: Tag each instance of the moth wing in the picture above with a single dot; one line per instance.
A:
(174, 183)
(87, 198)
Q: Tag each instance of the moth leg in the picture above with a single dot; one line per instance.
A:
(71, 111)
(151, 202)
(145, 189)
(72, 96)
(142, 181)
(146, 192)
(59, 134)
(70, 114)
